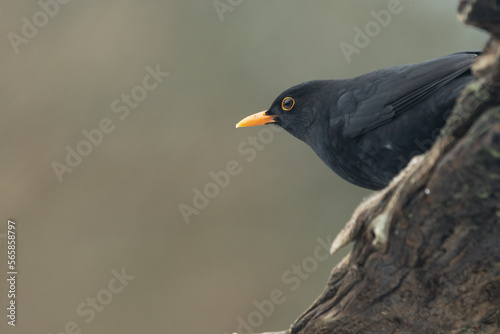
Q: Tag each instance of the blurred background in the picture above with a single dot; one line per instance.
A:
(117, 238)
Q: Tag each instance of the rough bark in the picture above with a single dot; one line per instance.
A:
(426, 257)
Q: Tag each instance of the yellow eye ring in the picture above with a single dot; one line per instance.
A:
(287, 103)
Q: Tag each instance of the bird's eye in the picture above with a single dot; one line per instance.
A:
(287, 103)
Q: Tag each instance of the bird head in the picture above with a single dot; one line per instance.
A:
(295, 110)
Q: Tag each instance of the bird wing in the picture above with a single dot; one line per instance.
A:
(380, 96)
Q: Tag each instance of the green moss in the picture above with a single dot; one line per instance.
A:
(494, 176)
(484, 192)
(435, 205)
(494, 153)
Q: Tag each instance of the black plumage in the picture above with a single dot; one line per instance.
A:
(366, 129)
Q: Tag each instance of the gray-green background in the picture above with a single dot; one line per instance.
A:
(119, 208)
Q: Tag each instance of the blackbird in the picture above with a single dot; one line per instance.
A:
(366, 129)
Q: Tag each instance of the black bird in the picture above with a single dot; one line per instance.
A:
(366, 129)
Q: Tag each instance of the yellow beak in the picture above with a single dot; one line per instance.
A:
(259, 118)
